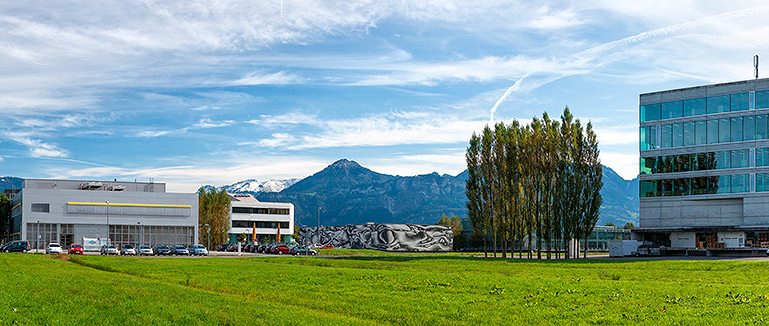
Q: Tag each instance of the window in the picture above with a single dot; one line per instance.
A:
(740, 183)
(718, 104)
(762, 99)
(695, 106)
(737, 128)
(259, 224)
(762, 156)
(672, 109)
(260, 210)
(762, 182)
(666, 136)
(740, 158)
(699, 185)
(749, 128)
(739, 102)
(724, 132)
(713, 131)
(723, 184)
(648, 138)
(689, 135)
(650, 112)
(723, 160)
(761, 126)
(41, 208)
(681, 187)
(678, 134)
(648, 165)
(700, 132)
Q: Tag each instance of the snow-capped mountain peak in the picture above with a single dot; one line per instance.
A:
(252, 185)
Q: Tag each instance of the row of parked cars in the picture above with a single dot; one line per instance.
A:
(276, 249)
(159, 250)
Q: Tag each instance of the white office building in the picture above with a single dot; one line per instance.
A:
(248, 214)
(96, 212)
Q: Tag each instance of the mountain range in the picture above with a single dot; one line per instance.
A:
(348, 193)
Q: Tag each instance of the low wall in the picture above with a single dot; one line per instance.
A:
(389, 237)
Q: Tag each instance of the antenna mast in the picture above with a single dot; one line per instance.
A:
(755, 64)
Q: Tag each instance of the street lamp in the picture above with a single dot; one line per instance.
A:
(208, 234)
(107, 201)
(318, 229)
(37, 236)
(139, 241)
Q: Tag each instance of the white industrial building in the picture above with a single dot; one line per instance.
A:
(95, 212)
(248, 214)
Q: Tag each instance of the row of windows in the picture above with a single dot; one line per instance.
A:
(733, 159)
(704, 105)
(151, 235)
(723, 184)
(40, 235)
(41, 208)
(259, 210)
(713, 131)
(259, 224)
(128, 210)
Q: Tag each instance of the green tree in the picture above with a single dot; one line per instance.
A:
(5, 216)
(456, 229)
(609, 224)
(629, 226)
(214, 210)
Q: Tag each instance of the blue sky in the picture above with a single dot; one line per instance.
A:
(210, 92)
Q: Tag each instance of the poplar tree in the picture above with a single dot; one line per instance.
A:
(214, 210)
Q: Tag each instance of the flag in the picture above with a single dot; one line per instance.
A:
(278, 232)
(253, 234)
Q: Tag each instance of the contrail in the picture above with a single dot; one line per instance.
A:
(509, 90)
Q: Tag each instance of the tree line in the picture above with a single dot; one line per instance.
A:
(540, 179)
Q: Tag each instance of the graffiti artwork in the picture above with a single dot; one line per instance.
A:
(389, 237)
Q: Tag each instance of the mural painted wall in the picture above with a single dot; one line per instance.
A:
(389, 237)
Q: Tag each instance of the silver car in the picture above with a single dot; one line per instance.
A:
(198, 249)
(127, 250)
(109, 250)
(145, 250)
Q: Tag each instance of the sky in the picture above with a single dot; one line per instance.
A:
(193, 93)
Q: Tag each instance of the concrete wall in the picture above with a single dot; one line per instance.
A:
(390, 237)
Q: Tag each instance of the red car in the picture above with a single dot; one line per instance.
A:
(75, 249)
(281, 249)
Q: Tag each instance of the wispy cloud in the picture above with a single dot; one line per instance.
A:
(208, 123)
(260, 78)
(152, 134)
(37, 148)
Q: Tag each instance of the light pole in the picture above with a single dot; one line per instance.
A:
(37, 236)
(139, 241)
(318, 230)
(208, 234)
(107, 201)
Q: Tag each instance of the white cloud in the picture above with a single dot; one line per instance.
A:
(208, 123)
(37, 148)
(227, 171)
(259, 78)
(152, 134)
(626, 165)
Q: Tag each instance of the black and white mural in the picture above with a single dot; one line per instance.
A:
(389, 237)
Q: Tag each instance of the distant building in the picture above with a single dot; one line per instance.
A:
(97, 212)
(248, 213)
(704, 165)
(389, 237)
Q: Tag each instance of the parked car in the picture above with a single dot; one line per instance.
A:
(198, 250)
(53, 248)
(16, 246)
(232, 247)
(222, 247)
(181, 250)
(127, 249)
(248, 248)
(281, 249)
(75, 249)
(163, 250)
(109, 249)
(649, 249)
(145, 250)
(300, 250)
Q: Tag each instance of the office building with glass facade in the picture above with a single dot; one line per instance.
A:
(704, 164)
(93, 213)
(248, 214)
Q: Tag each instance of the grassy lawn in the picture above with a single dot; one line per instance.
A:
(395, 289)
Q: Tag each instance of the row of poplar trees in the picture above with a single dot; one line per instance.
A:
(540, 180)
(214, 210)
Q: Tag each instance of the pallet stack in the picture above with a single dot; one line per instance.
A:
(763, 240)
(711, 241)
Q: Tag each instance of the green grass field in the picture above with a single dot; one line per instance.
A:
(393, 289)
